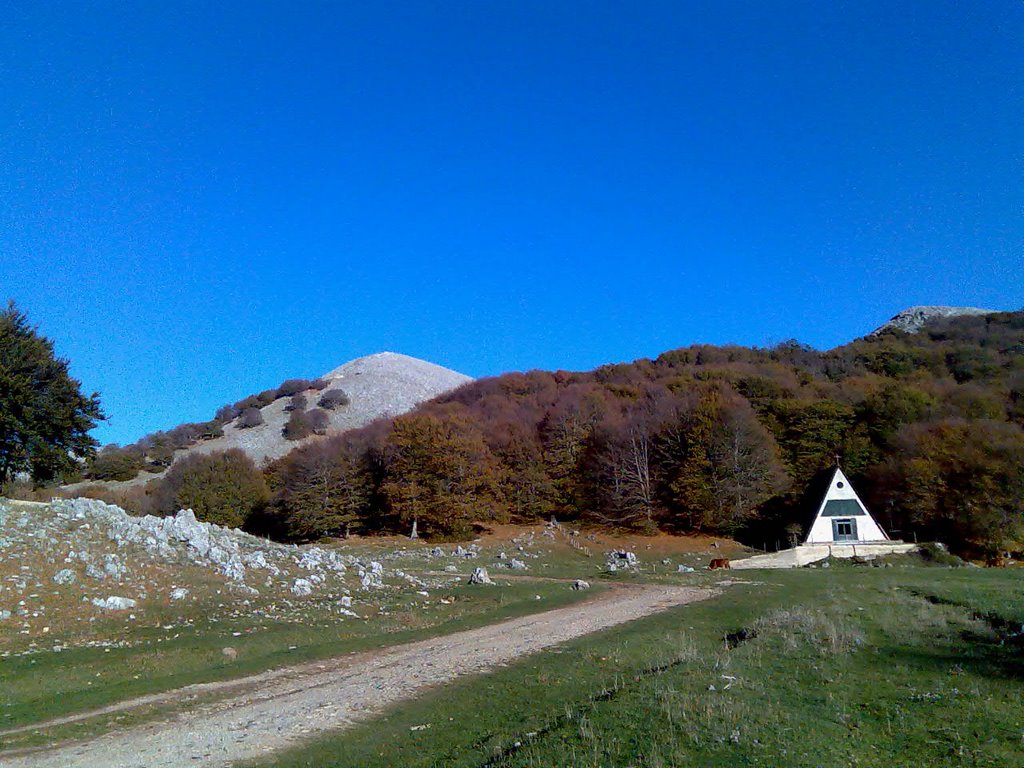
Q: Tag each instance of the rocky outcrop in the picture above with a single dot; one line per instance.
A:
(914, 319)
(93, 543)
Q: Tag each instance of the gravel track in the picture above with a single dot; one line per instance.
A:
(266, 713)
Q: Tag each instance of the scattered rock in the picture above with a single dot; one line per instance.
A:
(580, 584)
(480, 576)
(65, 576)
(621, 559)
(113, 567)
(114, 603)
(517, 565)
(684, 569)
(302, 588)
(179, 593)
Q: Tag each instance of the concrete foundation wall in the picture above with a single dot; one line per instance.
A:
(805, 554)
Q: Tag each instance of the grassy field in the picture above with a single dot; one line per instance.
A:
(910, 665)
(905, 666)
(64, 657)
(43, 686)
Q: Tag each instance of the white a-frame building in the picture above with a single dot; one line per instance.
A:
(843, 527)
(842, 517)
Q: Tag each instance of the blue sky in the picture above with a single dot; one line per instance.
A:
(199, 200)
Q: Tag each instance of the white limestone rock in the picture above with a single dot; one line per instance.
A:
(114, 603)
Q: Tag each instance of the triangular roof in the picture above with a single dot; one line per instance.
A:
(842, 504)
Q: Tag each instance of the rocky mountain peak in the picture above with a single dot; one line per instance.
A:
(911, 320)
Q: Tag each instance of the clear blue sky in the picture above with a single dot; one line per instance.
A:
(198, 200)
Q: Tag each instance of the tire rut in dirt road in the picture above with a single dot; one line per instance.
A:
(271, 712)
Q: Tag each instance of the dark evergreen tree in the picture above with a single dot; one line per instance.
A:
(44, 417)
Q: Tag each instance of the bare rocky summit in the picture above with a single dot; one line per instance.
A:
(377, 386)
(380, 385)
(914, 319)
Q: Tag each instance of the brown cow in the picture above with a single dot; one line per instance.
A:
(719, 562)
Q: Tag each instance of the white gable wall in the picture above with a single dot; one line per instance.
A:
(841, 490)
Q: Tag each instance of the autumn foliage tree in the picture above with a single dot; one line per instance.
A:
(323, 491)
(441, 474)
(960, 481)
(723, 440)
(719, 463)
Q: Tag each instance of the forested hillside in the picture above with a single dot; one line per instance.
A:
(712, 439)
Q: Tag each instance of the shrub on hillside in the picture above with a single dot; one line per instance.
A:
(226, 413)
(333, 398)
(297, 403)
(116, 463)
(223, 487)
(159, 450)
(211, 430)
(319, 420)
(250, 417)
(266, 397)
(936, 552)
(298, 426)
(248, 402)
(293, 387)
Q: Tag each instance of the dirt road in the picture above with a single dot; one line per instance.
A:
(273, 711)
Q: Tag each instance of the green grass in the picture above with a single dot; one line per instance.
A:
(171, 645)
(42, 686)
(859, 666)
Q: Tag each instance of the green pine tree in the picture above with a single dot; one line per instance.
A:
(44, 418)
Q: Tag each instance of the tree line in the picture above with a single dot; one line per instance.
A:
(724, 440)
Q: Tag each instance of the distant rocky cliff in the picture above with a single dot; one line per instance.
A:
(913, 319)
